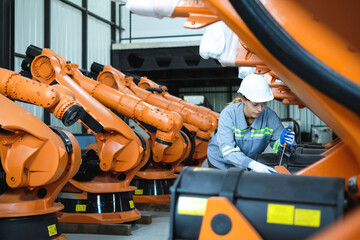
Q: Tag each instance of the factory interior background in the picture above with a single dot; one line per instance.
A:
(106, 32)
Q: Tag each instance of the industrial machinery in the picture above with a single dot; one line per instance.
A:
(107, 196)
(169, 146)
(237, 204)
(281, 91)
(199, 127)
(36, 160)
(162, 91)
(315, 55)
(150, 85)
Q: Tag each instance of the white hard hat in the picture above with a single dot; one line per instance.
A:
(255, 88)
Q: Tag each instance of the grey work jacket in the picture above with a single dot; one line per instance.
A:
(235, 144)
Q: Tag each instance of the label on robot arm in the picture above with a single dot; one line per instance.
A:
(139, 192)
(191, 206)
(80, 208)
(289, 215)
(52, 230)
(131, 204)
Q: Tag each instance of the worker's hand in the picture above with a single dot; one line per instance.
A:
(259, 167)
(287, 136)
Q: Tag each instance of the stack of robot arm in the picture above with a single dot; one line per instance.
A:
(120, 151)
(200, 121)
(168, 145)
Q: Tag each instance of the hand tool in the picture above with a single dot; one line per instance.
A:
(282, 155)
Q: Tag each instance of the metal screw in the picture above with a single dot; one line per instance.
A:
(352, 186)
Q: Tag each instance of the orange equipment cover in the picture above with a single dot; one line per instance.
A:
(36, 162)
(119, 149)
(222, 205)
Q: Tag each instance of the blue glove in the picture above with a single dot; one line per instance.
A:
(287, 136)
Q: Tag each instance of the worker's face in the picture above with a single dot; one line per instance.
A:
(251, 109)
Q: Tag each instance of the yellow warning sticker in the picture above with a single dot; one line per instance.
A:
(131, 203)
(307, 217)
(280, 214)
(52, 230)
(139, 192)
(80, 208)
(191, 206)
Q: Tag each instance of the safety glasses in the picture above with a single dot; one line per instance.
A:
(263, 104)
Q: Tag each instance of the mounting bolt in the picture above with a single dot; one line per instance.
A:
(352, 186)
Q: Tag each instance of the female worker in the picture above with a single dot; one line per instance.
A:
(246, 127)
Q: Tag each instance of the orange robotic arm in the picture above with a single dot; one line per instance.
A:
(27, 147)
(281, 91)
(197, 15)
(202, 123)
(284, 26)
(167, 123)
(244, 55)
(146, 83)
(315, 56)
(192, 121)
(37, 162)
(56, 99)
(168, 145)
(119, 149)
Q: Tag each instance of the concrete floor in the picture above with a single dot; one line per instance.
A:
(157, 230)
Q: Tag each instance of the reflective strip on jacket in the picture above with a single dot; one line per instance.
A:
(235, 144)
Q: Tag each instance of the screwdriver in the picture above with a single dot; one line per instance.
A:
(285, 144)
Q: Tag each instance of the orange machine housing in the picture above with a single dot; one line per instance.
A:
(120, 152)
(36, 161)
